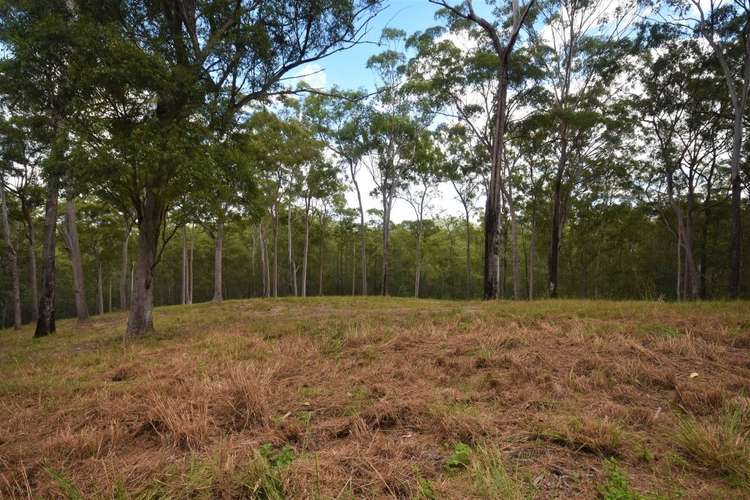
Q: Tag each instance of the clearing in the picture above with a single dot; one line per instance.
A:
(383, 397)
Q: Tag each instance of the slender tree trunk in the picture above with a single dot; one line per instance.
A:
(140, 317)
(306, 249)
(46, 322)
(467, 220)
(362, 230)
(557, 217)
(532, 256)
(184, 279)
(263, 260)
(354, 268)
(320, 253)
(191, 254)
(253, 265)
(109, 285)
(33, 280)
(218, 261)
(275, 230)
(386, 245)
(74, 251)
(12, 262)
(292, 265)
(418, 270)
(124, 266)
(515, 254)
(99, 288)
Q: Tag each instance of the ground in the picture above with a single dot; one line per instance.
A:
(374, 397)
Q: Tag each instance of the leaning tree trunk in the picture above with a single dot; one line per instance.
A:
(32, 268)
(140, 317)
(46, 322)
(12, 262)
(218, 261)
(74, 250)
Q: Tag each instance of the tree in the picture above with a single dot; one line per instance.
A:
(503, 47)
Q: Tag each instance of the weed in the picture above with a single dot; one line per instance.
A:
(460, 457)
(617, 486)
(424, 487)
(720, 446)
(491, 478)
(590, 435)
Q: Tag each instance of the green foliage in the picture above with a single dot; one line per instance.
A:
(617, 486)
(460, 457)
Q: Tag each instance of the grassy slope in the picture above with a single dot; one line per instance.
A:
(350, 397)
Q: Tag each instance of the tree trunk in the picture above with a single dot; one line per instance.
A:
(418, 270)
(275, 230)
(140, 317)
(467, 219)
(292, 266)
(74, 250)
(46, 322)
(218, 261)
(109, 286)
(515, 254)
(184, 279)
(191, 259)
(264, 261)
(33, 280)
(306, 250)
(124, 266)
(12, 262)
(386, 246)
(354, 268)
(362, 230)
(320, 254)
(532, 256)
(99, 288)
(557, 217)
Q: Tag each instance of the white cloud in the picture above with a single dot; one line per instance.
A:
(313, 74)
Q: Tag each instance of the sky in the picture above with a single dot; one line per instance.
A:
(348, 70)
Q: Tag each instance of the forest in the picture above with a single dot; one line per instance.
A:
(597, 149)
(400, 249)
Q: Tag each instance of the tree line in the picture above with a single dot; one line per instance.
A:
(597, 149)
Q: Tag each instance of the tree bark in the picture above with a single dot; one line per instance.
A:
(306, 249)
(557, 217)
(362, 230)
(46, 322)
(418, 266)
(386, 245)
(218, 262)
(292, 265)
(74, 251)
(12, 262)
(33, 280)
(184, 279)
(124, 266)
(99, 288)
(140, 317)
(320, 253)
(264, 261)
(275, 230)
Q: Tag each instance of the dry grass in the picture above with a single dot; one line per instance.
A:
(368, 398)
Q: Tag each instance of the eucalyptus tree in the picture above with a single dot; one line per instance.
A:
(396, 124)
(502, 42)
(725, 26)
(426, 174)
(12, 256)
(45, 51)
(160, 63)
(341, 123)
(583, 47)
(463, 166)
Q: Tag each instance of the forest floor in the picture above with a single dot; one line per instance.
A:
(375, 397)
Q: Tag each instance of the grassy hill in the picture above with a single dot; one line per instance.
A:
(373, 397)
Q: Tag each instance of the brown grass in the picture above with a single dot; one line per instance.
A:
(344, 397)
